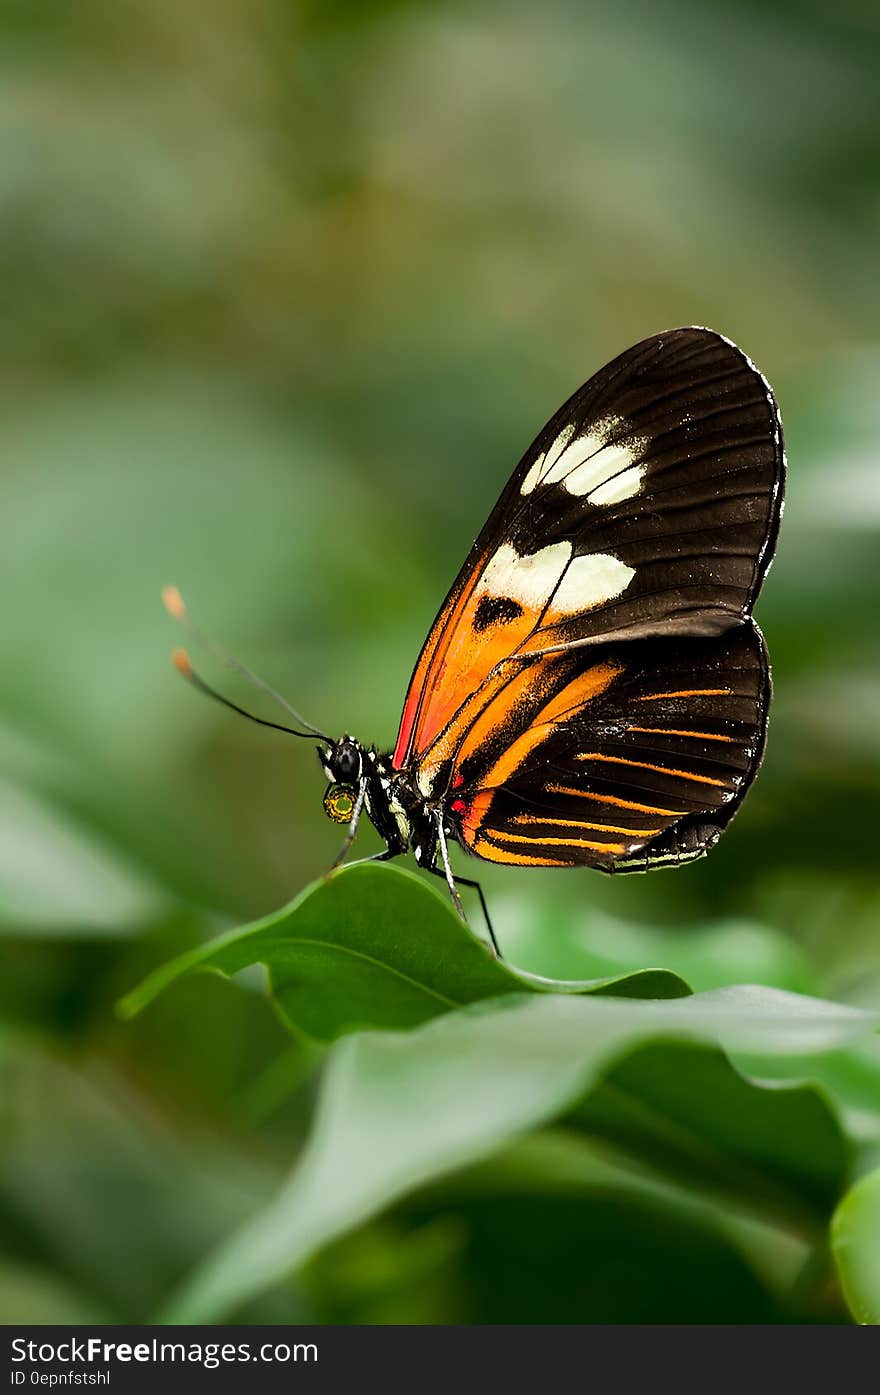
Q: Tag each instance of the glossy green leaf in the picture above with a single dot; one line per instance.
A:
(400, 1110)
(851, 1077)
(376, 947)
(707, 955)
(684, 1109)
(855, 1243)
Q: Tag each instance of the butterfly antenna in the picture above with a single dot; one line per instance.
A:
(174, 604)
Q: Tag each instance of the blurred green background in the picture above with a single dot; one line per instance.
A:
(288, 288)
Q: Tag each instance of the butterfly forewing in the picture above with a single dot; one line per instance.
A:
(646, 508)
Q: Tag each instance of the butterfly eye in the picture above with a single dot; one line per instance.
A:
(339, 803)
(346, 762)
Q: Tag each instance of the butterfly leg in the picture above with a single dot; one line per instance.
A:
(475, 886)
(451, 880)
(385, 856)
(352, 827)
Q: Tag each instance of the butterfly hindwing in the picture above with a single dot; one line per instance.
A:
(634, 756)
(646, 508)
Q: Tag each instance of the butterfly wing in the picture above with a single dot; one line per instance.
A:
(625, 758)
(646, 508)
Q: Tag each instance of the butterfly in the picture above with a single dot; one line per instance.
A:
(594, 691)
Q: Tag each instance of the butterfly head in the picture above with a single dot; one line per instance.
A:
(343, 764)
(342, 761)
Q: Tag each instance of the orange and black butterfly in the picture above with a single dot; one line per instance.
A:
(594, 691)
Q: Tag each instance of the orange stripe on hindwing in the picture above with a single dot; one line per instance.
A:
(506, 685)
(497, 854)
(536, 820)
(646, 765)
(570, 698)
(687, 692)
(614, 799)
(671, 731)
(613, 848)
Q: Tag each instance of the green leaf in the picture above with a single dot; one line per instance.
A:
(376, 947)
(709, 954)
(855, 1244)
(685, 1110)
(607, 1255)
(397, 1111)
(851, 1078)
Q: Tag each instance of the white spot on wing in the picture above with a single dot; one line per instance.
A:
(590, 581)
(530, 579)
(577, 454)
(534, 474)
(589, 466)
(619, 487)
(551, 454)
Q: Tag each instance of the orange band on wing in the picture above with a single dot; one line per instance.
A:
(426, 678)
(535, 819)
(469, 724)
(461, 659)
(687, 692)
(495, 854)
(570, 697)
(613, 848)
(573, 696)
(646, 765)
(670, 731)
(614, 799)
